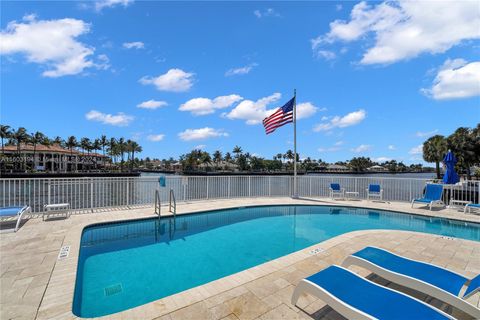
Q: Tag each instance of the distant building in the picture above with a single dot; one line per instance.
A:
(337, 168)
(53, 158)
(377, 168)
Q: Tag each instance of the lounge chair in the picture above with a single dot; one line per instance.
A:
(469, 206)
(374, 190)
(437, 282)
(335, 190)
(433, 195)
(355, 297)
(11, 212)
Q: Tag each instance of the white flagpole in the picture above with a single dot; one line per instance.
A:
(295, 190)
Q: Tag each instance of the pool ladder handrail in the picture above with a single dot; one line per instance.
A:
(172, 204)
(158, 203)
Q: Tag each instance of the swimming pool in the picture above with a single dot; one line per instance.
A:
(126, 264)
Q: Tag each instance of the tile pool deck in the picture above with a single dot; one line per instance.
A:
(35, 285)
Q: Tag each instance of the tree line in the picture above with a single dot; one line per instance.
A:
(464, 143)
(120, 150)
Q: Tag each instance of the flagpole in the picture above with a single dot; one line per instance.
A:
(295, 191)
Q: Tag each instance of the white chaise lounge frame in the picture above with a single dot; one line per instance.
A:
(19, 215)
(414, 283)
(346, 310)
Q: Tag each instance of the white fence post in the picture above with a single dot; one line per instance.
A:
(249, 186)
(208, 178)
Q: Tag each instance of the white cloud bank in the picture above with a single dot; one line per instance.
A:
(201, 134)
(253, 112)
(348, 120)
(204, 106)
(423, 134)
(134, 45)
(152, 104)
(456, 79)
(51, 43)
(120, 119)
(175, 80)
(155, 137)
(405, 29)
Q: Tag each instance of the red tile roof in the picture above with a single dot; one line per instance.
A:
(55, 148)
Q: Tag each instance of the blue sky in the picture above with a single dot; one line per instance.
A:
(373, 79)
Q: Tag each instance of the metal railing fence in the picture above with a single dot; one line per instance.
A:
(91, 194)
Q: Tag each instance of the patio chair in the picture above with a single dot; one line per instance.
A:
(469, 206)
(375, 191)
(437, 282)
(11, 212)
(433, 195)
(335, 190)
(355, 297)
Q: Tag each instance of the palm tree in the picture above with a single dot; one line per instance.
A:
(36, 138)
(5, 133)
(70, 144)
(228, 157)
(113, 149)
(237, 151)
(463, 144)
(103, 143)
(217, 157)
(121, 148)
(134, 147)
(85, 144)
(434, 150)
(58, 140)
(18, 137)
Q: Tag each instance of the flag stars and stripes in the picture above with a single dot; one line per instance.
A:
(280, 117)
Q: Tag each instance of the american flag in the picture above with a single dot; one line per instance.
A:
(280, 117)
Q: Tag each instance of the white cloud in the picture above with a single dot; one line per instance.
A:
(348, 120)
(200, 147)
(406, 29)
(306, 110)
(382, 159)
(120, 119)
(362, 148)
(152, 104)
(326, 54)
(51, 43)
(242, 70)
(201, 134)
(204, 106)
(253, 112)
(329, 149)
(134, 45)
(269, 12)
(155, 137)
(102, 4)
(421, 134)
(456, 79)
(339, 143)
(416, 150)
(391, 147)
(175, 80)
(338, 7)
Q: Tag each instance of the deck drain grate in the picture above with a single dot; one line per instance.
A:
(110, 291)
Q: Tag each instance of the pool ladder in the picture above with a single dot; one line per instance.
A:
(172, 204)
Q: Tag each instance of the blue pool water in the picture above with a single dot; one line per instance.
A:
(127, 264)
